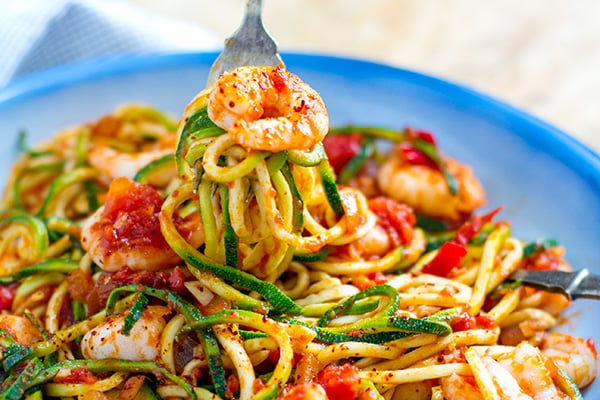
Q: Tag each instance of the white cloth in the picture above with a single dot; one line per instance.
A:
(39, 34)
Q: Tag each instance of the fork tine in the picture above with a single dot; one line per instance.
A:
(250, 44)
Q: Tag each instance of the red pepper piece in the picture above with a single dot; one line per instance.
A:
(413, 134)
(470, 228)
(414, 157)
(411, 154)
(451, 253)
(448, 257)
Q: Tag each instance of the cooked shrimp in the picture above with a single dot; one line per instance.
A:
(576, 356)
(113, 163)
(413, 391)
(307, 391)
(527, 365)
(375, 243)
(394, 228)
(460, 387)
(126, 230)
(520, 372)
(268, 108)
(20, 328)
(425, 189)
(141, 344)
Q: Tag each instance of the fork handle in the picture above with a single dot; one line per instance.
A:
(254, 7)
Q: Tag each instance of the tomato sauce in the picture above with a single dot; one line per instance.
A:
(77, 375)
(130, 217)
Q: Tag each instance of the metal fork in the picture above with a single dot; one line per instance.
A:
(573, 285)
(250, 44)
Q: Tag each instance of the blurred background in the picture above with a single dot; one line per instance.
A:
(539, 55)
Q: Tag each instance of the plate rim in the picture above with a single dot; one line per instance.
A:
(558, 143)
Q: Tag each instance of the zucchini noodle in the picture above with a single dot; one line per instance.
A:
(148, 258)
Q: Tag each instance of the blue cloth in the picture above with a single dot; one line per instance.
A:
(39, 34)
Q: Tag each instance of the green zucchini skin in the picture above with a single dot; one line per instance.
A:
(134, 314)
(144, 174)
(52, 265)
(308, 159)
(390, 293)
(357, 162)
(229, 237)
(312, 257)
(146, 393)
(331, 189)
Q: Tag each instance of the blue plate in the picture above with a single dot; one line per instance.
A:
(548, 183)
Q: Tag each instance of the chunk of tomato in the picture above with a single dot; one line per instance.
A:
(341, 149)
(398, 219)
(465, 321)
(341, 382)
